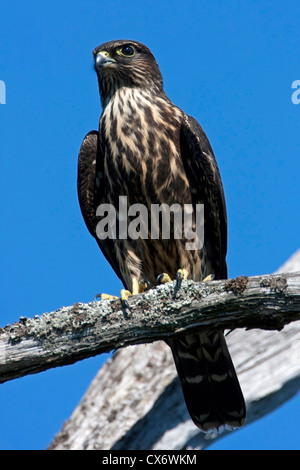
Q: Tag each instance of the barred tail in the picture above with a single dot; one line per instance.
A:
(211, 389)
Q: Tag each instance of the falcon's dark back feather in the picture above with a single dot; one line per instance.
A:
(90, 193)
(203, 173)
(151, 151)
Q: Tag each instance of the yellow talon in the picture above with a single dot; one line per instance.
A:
(125, 294)
(163, 278)
(137, 287)
(106, 297)
(143, 285)
(182, 274)
(208, 278)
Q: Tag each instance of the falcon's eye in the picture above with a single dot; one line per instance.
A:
(127, 51)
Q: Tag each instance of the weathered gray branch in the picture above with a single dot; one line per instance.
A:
(83, 330)
(136, 402)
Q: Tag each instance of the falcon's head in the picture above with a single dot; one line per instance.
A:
(125, 63)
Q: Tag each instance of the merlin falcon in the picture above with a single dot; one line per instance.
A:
(150, 151)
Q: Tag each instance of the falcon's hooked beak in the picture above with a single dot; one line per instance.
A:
(103, 60)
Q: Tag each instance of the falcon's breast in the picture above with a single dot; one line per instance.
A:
(140, 142)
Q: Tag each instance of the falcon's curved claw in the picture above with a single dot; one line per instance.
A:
(181, 275)
(144, 285)
(124, 297)
(163, 278)
(137, 288)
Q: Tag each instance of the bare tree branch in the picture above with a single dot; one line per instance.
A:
(136, 402)
(83, 330)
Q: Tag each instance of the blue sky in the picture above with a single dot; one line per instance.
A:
(229, 64)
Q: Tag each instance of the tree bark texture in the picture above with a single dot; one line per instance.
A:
(83, 330)
(136, 402)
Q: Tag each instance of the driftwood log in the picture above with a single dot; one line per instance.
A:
(124, 405)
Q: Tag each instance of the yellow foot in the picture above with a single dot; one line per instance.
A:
(137, 287)
(143, 285)
(124, 296)
(181, 275)
(209, 278)
(105, 297)
(163, 278)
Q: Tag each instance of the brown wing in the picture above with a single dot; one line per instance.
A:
(91, 192)
(205, 181)
(208, 378)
